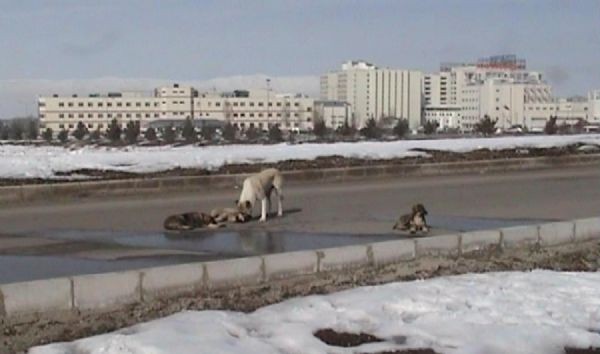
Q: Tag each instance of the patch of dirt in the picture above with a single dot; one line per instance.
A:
(335, 161)
(345, 339)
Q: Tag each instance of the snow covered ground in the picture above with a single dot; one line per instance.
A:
(45, 162)
(512, 312)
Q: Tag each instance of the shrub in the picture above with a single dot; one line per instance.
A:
(47, 135)
(132, 131)
(485, 126)
(113, 131)
(275, 135)
(401, 128)
(80, 131)
(63, 136)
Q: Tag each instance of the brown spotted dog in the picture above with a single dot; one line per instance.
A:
(221, 215)
(189, 221)
(415, 221)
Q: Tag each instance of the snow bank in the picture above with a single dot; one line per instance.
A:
(45, 162)
(513, 312)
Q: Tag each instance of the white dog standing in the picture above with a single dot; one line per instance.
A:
(259, 187)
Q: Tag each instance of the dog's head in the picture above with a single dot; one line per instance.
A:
(244, 207)
(419, 209)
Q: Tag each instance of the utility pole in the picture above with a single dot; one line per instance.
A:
(268, 101)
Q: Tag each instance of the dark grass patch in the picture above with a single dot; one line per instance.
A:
(345, 339)
(410, 351)
(582, 351)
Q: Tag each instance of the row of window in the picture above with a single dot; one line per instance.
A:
(253, 104)
(116, 104)
(242, 115)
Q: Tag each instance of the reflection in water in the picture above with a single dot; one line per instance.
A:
(249, 242)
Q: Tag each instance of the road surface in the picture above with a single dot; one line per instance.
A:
(55, 239)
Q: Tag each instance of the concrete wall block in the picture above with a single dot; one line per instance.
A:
(479, 240)
(10, 194)
(38, 296)
(557, 233)
(66, 190)
(514, 237)
(171, 280)
(389, 252)
(98, 291)
(587, 229)
(289, 264)
(343, 257)
(234, 272)
(147, 184)
(447, 245)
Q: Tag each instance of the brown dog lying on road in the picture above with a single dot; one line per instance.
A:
(415, 221)
(196, 220)
(189, 221)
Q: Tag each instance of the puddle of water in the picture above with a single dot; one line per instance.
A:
(466, 224)
(26, 268)
(248, 242)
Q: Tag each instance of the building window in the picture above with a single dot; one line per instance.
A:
(138, 104)
(61, 104)
(70, 104)
(100, 115)
(70, 115)
(90, 115)
(90, 104)
(61, 126)
(278, 104)
(127, 104)
(100, 104)
(109, 104)
(260, 104)
(61, 115)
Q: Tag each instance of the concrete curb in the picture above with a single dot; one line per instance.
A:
(88, 189)
(101, 292)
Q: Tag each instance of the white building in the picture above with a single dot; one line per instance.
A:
(334, 113)
(374, 92)
(594, 107)
(258, 108)
(499, 87)
(96, 111)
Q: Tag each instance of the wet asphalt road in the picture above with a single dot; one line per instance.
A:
(57, 239)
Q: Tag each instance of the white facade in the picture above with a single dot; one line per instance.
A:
(594, 106)
(498, 87)
(374, 92)
(447, 117)
(259, 108)
(334, 113)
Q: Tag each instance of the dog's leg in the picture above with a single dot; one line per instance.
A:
(279, 204)
(269, 200)
(263, 216)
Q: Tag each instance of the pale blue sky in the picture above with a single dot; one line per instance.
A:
(202, 40)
